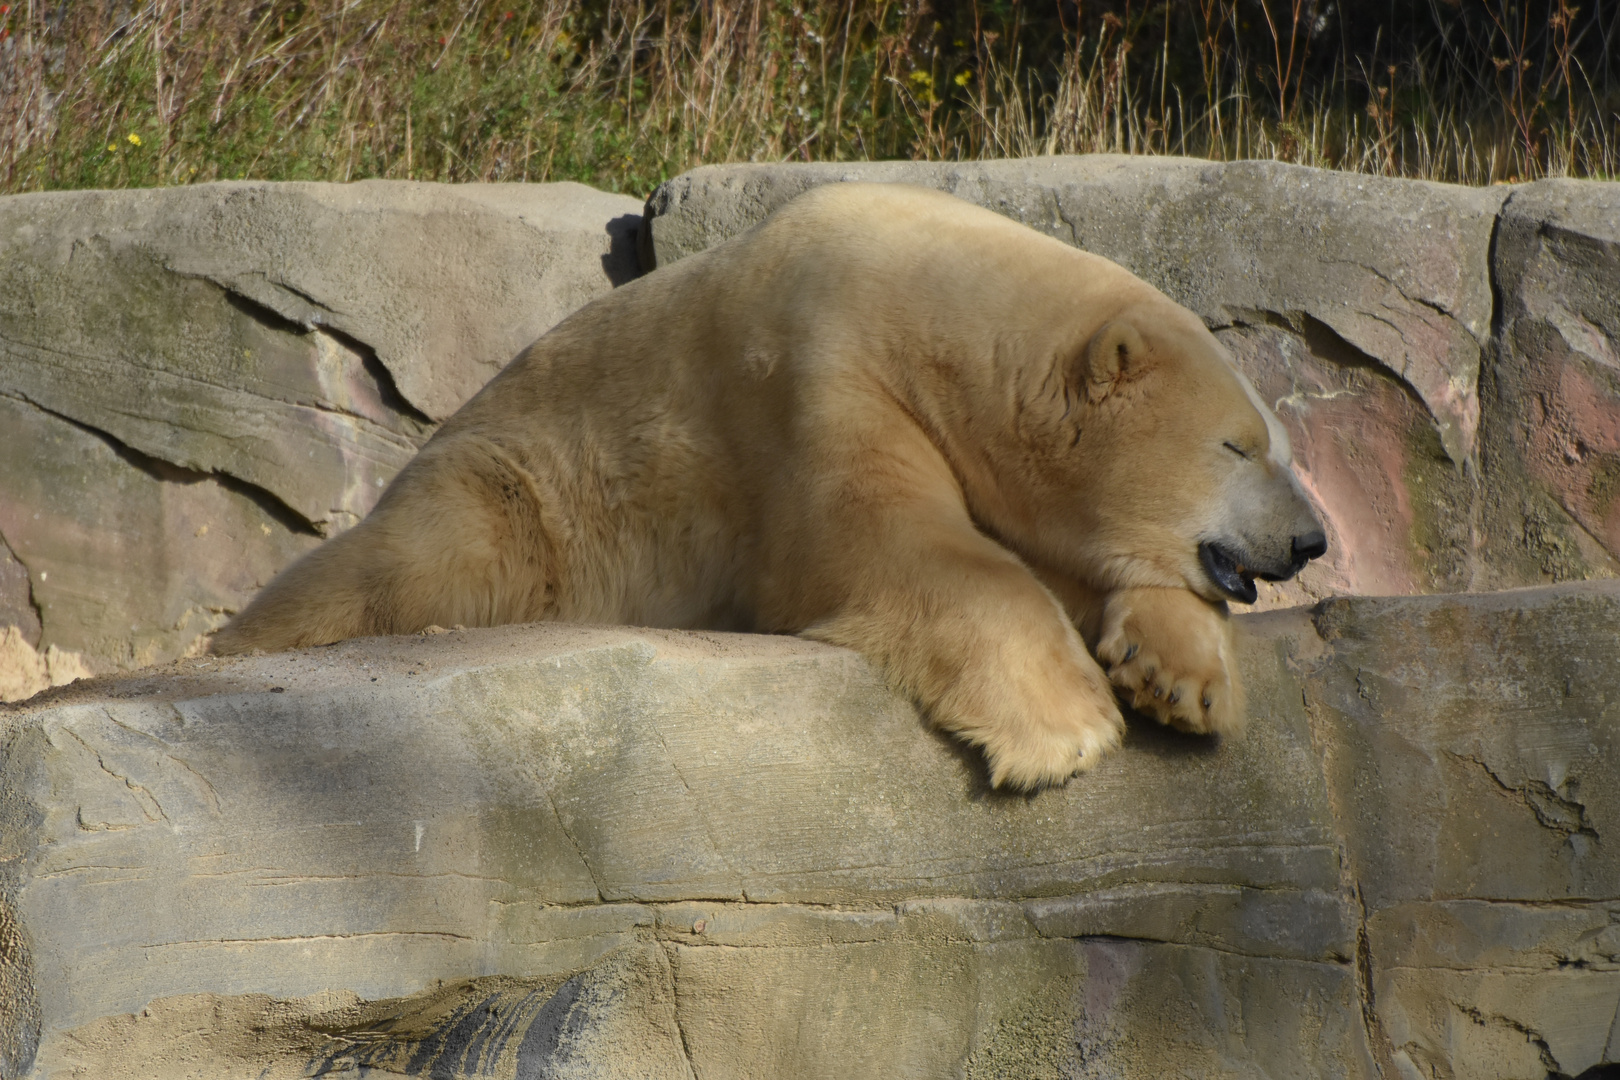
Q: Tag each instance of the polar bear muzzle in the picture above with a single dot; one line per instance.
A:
(1234, 572)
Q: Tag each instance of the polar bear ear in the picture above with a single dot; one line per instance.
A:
(1115, 352)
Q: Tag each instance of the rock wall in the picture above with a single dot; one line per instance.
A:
(198, 383)
(1554, 392)
(1445, 358)
(575, 852)
(599, 852)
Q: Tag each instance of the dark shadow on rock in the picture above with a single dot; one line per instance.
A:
(1141, 732)
(550, 1035)
(264, 315)
(1610, 1071)
(1145, 733)
(975, 767)
(622, 262)
(465, 1031)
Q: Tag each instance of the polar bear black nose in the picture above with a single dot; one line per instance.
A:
(1313, 545)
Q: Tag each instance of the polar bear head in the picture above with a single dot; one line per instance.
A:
(1159, 465)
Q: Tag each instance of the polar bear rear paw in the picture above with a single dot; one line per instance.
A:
(1169, 653)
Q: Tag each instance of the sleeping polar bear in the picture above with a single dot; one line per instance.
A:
(883, 418)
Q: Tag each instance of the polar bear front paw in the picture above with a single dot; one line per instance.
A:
(1169, 652)
(1042, 728)
(1036, 754)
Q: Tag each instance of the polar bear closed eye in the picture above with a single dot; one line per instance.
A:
(883, 418)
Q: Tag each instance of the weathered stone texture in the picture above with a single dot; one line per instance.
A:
(1554, 381)
(196, 383)
(258, 359)
(130, 561)
(25, 671)
(1362, 307)
(1476, 747)
(570, 851)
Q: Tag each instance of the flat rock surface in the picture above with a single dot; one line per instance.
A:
(559, 850)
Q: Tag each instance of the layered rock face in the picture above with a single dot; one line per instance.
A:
(197, 384)
(572, 852)
(1553, 399)
(1454, 405)
(566, 851)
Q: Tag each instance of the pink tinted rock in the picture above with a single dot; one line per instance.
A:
(1554, 447)
(1393, 505)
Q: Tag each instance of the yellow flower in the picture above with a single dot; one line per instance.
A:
(134, 139)
(962, 78)
(922, 78)
(112, 147)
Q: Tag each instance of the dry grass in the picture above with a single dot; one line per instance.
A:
(623, 93)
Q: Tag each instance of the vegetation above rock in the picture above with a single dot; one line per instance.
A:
(625, 93)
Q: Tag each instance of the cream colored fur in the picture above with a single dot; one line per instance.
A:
(884, 419)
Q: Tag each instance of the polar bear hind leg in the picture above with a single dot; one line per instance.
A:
(457, 539)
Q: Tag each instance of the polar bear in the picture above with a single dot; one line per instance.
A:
(883, 418)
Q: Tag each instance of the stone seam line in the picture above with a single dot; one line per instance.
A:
(1308, 659)
(165, 471)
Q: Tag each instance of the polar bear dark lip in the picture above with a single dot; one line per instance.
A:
(1227, 572)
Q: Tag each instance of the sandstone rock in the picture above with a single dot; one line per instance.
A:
(1359, 306)
(22, 670)
(280, 348)
(131, 561)
(16, 598)
(578, 851)
(1554, 381)
(1475, 747)
(25, 672)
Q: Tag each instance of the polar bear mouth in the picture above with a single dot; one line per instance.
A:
(1227, 571)
(1233, 573)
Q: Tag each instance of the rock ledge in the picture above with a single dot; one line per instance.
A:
(576, 851)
